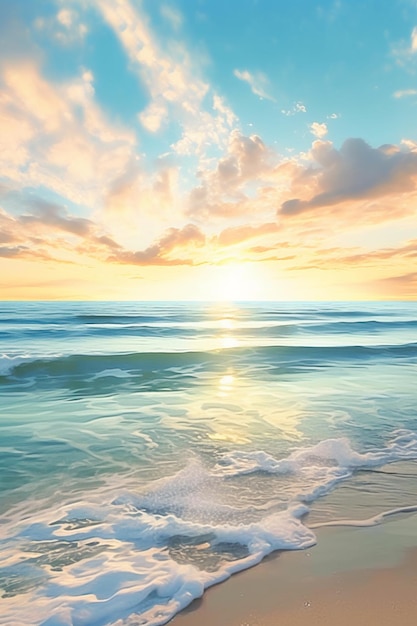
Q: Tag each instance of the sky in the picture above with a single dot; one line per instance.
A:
(208, 149)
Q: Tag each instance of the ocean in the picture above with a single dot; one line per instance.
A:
(149, 450)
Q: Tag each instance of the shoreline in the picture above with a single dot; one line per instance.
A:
(353, 575)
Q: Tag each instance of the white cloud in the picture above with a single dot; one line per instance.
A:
(318, 130)
(58, 136)
(153, 116)
(257, 82)
(65, 27)
(409, 144)
(246, 165)
(175, 88)
(404, 50)
(173, 16)
(414, 40)
(298, 107)
(65, 17)
(226, 112)
(404, 93)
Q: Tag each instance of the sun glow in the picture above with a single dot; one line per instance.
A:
(235, 281)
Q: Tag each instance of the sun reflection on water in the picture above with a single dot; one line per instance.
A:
(227, 323)
(226, 385)
(226, 381)
(228, 342)
(229, 421)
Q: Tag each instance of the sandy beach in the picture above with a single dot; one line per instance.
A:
(352, 576)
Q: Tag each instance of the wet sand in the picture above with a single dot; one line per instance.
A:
(353, 576)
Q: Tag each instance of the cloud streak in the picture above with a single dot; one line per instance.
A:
(173, 84)
(258, 82)
(405, 93)
(413, 42)
(188, 237)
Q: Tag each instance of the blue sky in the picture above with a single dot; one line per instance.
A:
(335, 58)
(153, 141)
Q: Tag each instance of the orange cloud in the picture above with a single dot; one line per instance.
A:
(222, 190)
(403, 286)
(238, 234)
(355, 171)
(158, 254)
(56, 135)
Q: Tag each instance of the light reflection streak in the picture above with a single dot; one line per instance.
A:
(228, 342)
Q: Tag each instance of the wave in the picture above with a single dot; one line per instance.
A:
(150, 554)
(146, 362)
(322, 465)
(319, 312)
(126, 319)
(183, 333)
(349, 327)
(148, 575)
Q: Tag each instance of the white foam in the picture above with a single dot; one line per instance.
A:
(8, 362)
(129, 572)
(111, 373)
(321, 466)
(136, 573)
(370, 521)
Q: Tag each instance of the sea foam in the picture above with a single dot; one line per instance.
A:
(142, 557)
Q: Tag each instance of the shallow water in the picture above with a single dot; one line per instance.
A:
(149, 450)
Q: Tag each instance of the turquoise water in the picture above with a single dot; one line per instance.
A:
(149, 450)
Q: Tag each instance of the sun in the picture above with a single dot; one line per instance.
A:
(233, 282)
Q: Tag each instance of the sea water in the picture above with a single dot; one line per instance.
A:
(150, 450)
